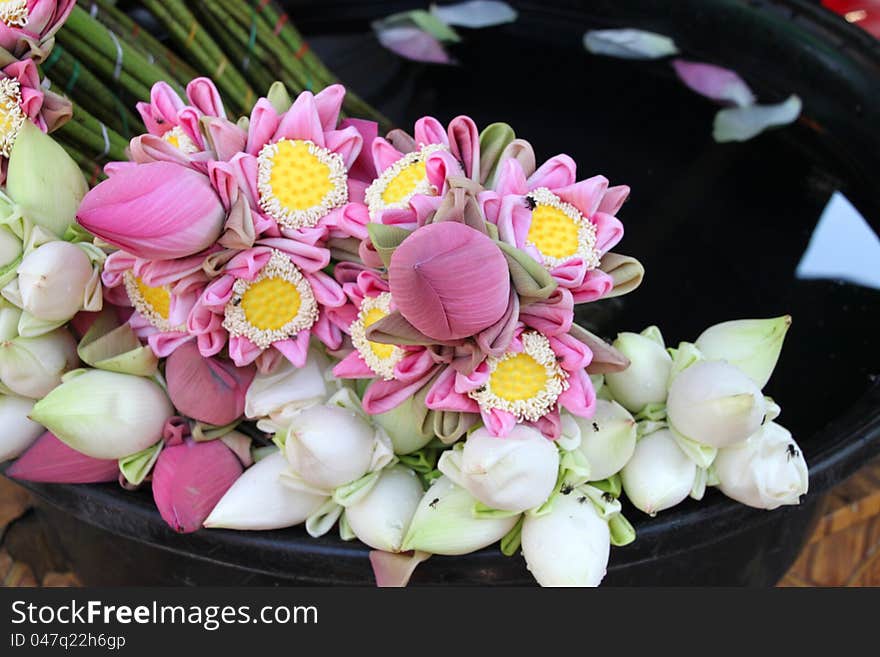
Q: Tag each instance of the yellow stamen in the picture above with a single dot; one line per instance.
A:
(559, 231)
(407, 177)
(526, 383)
(271, 303)
(275, 306)
(14, 13)
(180, 140)
(379, 357)
(300, 182)
(11, 115)
(153, 303)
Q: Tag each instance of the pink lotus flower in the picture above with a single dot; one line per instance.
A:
(268, 302)
(190, 478)
(50, 461)
(529, 383)
(156, 211)
(294, 170)
(162, 293)
(176, 131)
(22, 98)
(412, 171)
(564, 224)
(26, 26)
(210, 390)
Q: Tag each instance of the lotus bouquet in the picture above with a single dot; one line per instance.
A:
(288, 319)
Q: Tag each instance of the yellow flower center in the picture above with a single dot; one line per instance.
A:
(14, 13)
(407, 177)
(153, 303)
(275, 306)
(379, 357)
(559, 231)
(180, 140)
(11, 116)
(518, 377)
(526, 383)
(553, 232)
(300, 182)
(271, 303)
(157, 298)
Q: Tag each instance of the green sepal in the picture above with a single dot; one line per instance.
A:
(422, 461)
(108, 346)
(202, 432)
(653, 412)
(136, 467)
(513, 539)
(386, 239)
(346, 533)
(622, 532)
(482, 511)
(613, 485)
(531, 280)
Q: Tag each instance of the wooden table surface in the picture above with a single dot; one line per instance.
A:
(843, 551)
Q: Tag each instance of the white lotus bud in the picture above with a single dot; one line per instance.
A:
(659, 475)
(52, 280)
(766, 471)
(10, 315)
(10, 247)
(752, 345)
(514, 473)
(281, 394)
(31, 367)
(381, 518)
(330, 446)
(18, 430)
(568, 546)
(401, 424)
(105, 415)
(644, 381)
(714, 403)
(608, 440)
(444, 522)
(258, 499)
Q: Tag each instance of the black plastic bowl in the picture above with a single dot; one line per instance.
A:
(720, 228)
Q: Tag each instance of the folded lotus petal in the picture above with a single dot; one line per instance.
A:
(439, 166)
(605, 357)
(353, 367)
(558, 171)
(203, 94)
(423, 207)
(242, 351)
(56, 111)
(148, 148)
(189, 479)
(327, 332)
(381, 396)
(609, 231)
(429, 130)
(115, 266)
(113, 168)
(263, 125)
(159, 210)
(301, 121)
(614, 199)
(571, 353)
(212, 342)
(498, 422)
(370, 283)
(328, 103)
(550, 424)
(585, 195)
(224, 137)
(432, 277)
(364, 167)
(384, 154)
(495, 340)
(224, 182)
(552, 316)
(580, 398)
(596, 285)
(165, 343)
(248, 264)
(714, 82)
(514, 220)
(50, 461)
(296, 350)
(570, 274)
(395, 570)
(348, 221)
(414, 365)
(209, 390)
(464, 143)
(239, 231)
(346, 142)
(402, 141)
(465, 383)
(443, 397)
(511, 178)
(626, 272)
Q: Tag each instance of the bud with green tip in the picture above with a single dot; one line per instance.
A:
(752, 345)
(44, 181)
(569, 546)
(766, 471)
(514, 473)
(444, 522)
(608, 439)
(19, 432)
(404, 427)
(105, 415)
(659, 475)
(715, 403)
(644, 381)
(381, 518)
(32, 367)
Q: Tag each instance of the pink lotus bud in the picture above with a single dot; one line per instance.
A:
(449, 280)
(210, 390)
(50, 461)
(156, 211)
(189, 479)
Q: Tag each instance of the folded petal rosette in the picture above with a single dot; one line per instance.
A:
(412, 170)
(267, 303)
(27, 27)
(295, 166)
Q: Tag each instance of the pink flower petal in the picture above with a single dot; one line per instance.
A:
(714, 82)
(412, 43)
(49, 460)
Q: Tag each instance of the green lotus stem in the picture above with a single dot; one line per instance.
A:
(192, 39)
(88, 90)
(100, 142)
(127, 29)
(100, 39)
